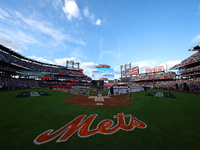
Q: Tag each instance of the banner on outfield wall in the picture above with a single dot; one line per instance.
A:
(156, 69)
(134, 70)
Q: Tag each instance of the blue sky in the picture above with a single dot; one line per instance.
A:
(147, 33)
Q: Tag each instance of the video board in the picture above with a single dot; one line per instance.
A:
(103, 73)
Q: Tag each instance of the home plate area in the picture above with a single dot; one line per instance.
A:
(98, 101)
(98, 98)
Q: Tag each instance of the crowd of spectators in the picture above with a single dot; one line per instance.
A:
(8, 83)
(59, 75)
(193, 85)
(192, 59)
(153, 76)
(38, 67)
(192, 69)
(31, 73)
(183, 85)
(8, 68)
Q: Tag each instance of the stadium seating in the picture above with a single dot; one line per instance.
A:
(17, 71)
(188, 74)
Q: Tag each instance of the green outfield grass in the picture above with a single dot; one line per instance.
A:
(172, 124)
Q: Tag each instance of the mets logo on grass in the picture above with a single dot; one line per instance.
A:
(82, 127)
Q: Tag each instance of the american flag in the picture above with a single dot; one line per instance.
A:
(134, 70)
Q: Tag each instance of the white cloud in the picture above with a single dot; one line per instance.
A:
(143, 65)
(25, 38)
(42, 26)
(86, 12)
(71, 9)
(3, 14)
(62, 61)
(115, 54)
(167, 65)
(197, 38)
(117, 70)
(96, 70)
(119, 51)
(48, 29)
(57, 3)
(91, 16)
(78, 53)
(88, 15)
(107, 74)
(40, 59)
(101, 48)
(10, 43)
(88, 65)
(98, 22)
(198, 11)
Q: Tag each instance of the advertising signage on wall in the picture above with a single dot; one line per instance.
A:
(156, 69)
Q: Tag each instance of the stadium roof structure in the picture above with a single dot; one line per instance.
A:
(195, 48)
(11, 52)
(179, 65)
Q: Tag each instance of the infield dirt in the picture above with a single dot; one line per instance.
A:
(82, 100)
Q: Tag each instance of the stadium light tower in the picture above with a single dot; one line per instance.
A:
(72, 64)
(77, 64)
(127, 67)
(166, 69)
(124, 69)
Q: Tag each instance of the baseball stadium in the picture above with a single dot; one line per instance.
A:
(45, 106)
(99, 75)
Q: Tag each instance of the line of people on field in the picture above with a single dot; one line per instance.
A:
(82, 90)
(118, 90)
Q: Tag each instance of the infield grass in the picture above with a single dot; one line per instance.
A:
(172, 124)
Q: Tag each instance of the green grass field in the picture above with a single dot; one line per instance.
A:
(172, 124)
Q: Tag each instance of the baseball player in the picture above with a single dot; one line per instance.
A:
(129, 93)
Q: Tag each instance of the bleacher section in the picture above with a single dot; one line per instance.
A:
(17, 71)
(187, 78)
(154, 77)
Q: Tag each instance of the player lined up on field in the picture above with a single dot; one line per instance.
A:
(118, 90)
